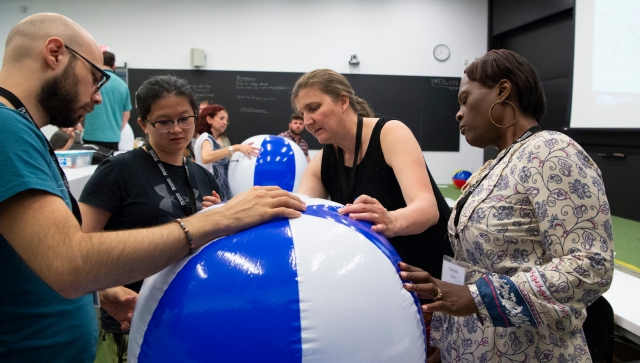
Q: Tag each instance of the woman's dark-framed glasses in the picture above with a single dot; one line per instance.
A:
(104, 77)
(186, 122)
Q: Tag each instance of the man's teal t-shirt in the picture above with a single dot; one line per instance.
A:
(36, 323)
(105, 122)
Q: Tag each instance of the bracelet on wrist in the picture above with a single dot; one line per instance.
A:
(192, 246)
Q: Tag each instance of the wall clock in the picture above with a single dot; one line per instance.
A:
(441, 52)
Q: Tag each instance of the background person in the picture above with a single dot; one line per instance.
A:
(49, 266)
(104, 125)
(189, 151)
(296, 126)
(213, 149)
(532, 229)
(65, 137)
(203, 105)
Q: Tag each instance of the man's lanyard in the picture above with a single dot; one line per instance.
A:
(347, 189)
(463, 200)
(20, 107)
(191, 208)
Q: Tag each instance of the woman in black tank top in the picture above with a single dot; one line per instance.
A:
(373, 166)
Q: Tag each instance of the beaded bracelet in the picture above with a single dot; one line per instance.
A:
(192, 246)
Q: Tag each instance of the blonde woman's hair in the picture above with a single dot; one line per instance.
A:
(333, 84)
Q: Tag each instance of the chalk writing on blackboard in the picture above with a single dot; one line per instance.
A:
(255, 98)
(278, 88)
(252, 110)
(202, 91)
(259, 102)
(250, 83)
(451, 83)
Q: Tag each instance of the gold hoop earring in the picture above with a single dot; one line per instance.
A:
(514, 108)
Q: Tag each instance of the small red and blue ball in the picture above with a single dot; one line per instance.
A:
(460, 178)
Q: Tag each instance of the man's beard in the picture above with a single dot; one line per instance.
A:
(293, 132)
(59, 95)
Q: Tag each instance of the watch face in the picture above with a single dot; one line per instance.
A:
(441, 52)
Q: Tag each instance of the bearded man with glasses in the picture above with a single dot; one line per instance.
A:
(49, 266)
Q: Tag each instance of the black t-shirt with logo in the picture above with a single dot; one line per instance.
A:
(132, 188)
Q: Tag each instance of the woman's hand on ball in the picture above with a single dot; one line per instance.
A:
(248, 149)
(366, 208)
(455, 300)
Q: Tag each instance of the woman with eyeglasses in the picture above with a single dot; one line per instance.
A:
(135, 190)
(213, 149)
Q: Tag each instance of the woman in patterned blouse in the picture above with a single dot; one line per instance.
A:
(532, 229)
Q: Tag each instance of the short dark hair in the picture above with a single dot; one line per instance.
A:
(159, 87)
(499, 64)
(295, 116)
(109, 58)
(203, 126)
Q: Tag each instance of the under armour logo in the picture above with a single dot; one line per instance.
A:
(165, 203)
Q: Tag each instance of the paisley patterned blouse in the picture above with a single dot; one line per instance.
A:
(536, 240)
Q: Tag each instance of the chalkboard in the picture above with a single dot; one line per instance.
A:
(259, 102)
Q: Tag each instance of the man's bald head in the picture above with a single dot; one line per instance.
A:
(62, 87)
(26, 39)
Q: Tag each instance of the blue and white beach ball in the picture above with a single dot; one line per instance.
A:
(319, 288)
(281, 163)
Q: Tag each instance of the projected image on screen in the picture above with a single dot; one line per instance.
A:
(606, 78)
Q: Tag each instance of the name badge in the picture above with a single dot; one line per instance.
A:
(452, 272)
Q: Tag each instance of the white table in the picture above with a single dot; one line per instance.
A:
(624, 297)
(78, 178)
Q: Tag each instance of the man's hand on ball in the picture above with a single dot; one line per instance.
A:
(261, 204)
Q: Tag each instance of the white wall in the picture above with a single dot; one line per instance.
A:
(390, 37)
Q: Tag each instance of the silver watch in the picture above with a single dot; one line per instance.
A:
(230, 150)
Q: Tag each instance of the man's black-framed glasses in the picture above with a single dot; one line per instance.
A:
(104, 77)
(186, 122)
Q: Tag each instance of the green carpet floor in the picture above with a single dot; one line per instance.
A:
(626, 238)
(626, 234)
(449, 191)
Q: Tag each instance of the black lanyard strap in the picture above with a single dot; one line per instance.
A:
(465, 197)
(20, 107)
(191, 208)
(347, 189)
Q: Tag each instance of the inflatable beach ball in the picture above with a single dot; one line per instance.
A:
(460, 178)
(281, 163)
(319, 288)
